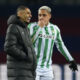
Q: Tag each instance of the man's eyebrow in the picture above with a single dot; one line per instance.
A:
(43, 14)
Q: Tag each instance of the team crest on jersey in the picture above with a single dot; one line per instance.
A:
(46, 36)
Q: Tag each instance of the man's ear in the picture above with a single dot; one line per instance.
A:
(19, 13)
(50, 16)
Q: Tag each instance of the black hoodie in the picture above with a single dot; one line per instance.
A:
(20, 53)
(16, 20)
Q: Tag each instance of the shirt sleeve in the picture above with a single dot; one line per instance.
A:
(34, 31)
(35, 36)
(61, 47)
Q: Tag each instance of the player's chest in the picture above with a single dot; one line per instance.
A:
(47, 33)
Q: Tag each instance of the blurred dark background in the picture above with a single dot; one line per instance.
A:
(65, 14)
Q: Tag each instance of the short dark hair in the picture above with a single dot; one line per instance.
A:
(21, 8)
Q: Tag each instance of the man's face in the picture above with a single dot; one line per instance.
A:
(26, 15)
(44, 15)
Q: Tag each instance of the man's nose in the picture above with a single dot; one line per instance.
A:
(30, 15)
(41, 17)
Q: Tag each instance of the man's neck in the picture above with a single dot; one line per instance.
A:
(47, 24)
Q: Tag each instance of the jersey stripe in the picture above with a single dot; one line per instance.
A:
(39, 49)
(51, 48)
(34, 30)
(45, 52)
(50, 54)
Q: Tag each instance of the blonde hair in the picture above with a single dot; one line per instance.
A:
(48, 9)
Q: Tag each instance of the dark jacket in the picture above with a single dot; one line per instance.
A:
(21, 58)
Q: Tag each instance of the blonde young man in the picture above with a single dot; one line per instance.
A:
(44, 35)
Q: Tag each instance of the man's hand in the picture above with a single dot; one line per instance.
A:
(41, 23)
(73, 66)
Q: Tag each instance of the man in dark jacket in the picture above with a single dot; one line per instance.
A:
(21, 58)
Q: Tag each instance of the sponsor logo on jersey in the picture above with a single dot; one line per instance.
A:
(46, 36)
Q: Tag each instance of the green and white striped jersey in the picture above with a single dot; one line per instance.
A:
(43, 40)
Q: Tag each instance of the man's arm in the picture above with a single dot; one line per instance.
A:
(62, 48)
(34, 31)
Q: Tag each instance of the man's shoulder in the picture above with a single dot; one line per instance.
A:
(12, 26)
(54, 26)
(32, 24)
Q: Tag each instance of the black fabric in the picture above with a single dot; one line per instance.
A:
(21, 58)
(13, 19)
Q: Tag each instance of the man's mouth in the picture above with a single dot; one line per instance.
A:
(29, 19)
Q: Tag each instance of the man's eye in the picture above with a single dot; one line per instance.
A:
(39, 14)
(44, 14)
(28, 13)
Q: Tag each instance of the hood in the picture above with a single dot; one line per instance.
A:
(13, 19)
